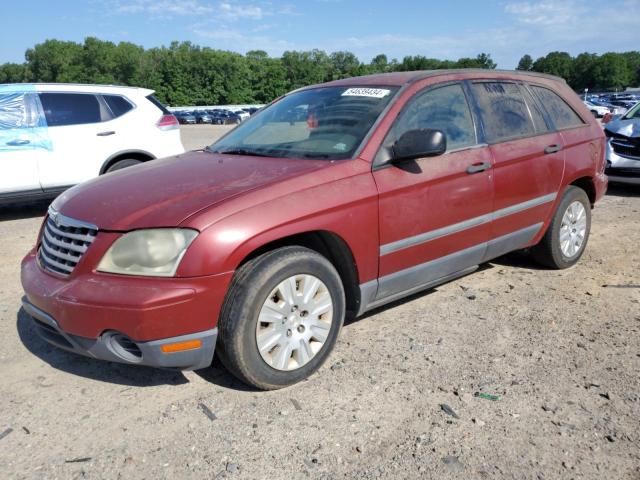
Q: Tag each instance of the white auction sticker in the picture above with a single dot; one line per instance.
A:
(366, 92)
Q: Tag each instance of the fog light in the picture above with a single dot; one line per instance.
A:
(181, 346)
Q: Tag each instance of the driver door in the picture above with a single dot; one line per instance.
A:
(434, 212)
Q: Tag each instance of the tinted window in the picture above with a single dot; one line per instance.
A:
(118, 105)
(443, 108)
(503, 110)
(560, 112)
(70, 108)
(536, 111)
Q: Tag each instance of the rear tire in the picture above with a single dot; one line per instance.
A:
(566, 238)
(301, 339)
(120, 164)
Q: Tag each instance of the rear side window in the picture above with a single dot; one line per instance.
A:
(155, 101)
(441, 108)
(504, 111)
(560, 112)
(117, 104)
(70, 108)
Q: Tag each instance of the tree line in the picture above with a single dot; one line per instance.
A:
(187, 74)
(607, 72)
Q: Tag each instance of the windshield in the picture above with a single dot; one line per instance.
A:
(321, 123)
(634, 112)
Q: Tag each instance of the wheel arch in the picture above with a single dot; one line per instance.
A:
(141, 155)
(331, 246)
(587, 184)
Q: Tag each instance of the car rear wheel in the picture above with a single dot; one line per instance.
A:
(120, 164)
(566, 238)
(281, 317)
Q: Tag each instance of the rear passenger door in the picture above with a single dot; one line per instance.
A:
(528, 163)
(433, 211)
(81, 141)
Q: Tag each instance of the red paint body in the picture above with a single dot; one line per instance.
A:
(240, 204)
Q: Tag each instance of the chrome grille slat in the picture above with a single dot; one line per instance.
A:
(69, 246)
(63, 242)
(75, 236)
(55, 253)
(52, 262)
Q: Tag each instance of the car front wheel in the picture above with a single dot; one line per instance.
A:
(281, 317)
(566, 238)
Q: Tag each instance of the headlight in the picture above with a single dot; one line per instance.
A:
(155, 252)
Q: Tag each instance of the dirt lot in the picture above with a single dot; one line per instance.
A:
(561, 350)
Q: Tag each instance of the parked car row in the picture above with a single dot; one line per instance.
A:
(215, 116)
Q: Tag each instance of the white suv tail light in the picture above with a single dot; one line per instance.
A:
(168, 122)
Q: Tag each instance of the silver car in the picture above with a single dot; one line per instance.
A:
(623, 147)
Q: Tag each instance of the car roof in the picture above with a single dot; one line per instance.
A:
(404, 78)
(79, 87)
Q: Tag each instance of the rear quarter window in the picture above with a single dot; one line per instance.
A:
(117, 104)
(503, 110)
(562, 115)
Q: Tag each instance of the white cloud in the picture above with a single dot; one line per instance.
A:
(162, 8)
(233, 12)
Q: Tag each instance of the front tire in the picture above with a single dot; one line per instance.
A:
(566, 238)
(281, 318)
(120, 164)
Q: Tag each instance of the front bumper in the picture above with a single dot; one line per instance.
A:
(114, 347)
(622, 169)
(91, 313)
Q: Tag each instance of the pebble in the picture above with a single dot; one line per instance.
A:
(232, 467)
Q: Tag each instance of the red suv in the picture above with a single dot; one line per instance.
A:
(333, 200)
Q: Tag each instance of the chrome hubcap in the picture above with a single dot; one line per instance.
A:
(573, 229)
(294, 322)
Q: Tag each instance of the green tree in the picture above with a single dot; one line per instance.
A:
(611, 72)
(525, 63)
(559, 64)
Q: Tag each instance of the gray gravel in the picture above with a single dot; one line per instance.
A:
(560, 350)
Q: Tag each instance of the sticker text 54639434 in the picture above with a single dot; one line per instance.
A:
(366, 92)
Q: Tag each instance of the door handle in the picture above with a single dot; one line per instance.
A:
(17, 143)
(478, 167)
(552, 149)
(106, 134)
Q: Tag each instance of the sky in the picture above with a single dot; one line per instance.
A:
(444, 29)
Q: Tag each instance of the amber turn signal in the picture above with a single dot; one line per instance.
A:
(181, 346)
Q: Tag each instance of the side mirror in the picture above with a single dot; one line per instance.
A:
(419, 143)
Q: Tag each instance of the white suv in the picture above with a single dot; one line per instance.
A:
(53, 136)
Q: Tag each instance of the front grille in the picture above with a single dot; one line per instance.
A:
(626, 146)
(63, 242)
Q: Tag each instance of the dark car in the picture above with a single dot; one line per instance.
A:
(203, 116)
(185, 117)
(260, 245)
(225, 117)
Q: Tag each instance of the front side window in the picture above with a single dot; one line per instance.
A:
(560, 112)
(441, 108)
(503, 110)
(70, 108)
(320, 123)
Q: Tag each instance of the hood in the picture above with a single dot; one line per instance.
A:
(164, 193)
(628, 128)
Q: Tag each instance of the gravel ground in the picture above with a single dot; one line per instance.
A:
(402, 396)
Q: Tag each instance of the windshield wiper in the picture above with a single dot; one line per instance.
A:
(239, 151)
